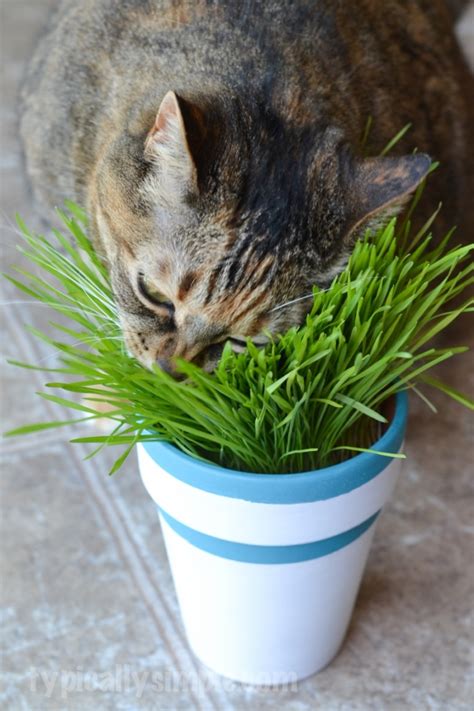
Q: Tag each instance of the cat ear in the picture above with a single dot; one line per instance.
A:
(176, 132)
(382, 185)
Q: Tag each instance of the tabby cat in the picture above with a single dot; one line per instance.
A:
(216, 147)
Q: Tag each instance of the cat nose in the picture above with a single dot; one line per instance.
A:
(166, 365)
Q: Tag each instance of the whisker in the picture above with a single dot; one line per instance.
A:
(290, 303)
(309, 296)
(81, 309)
(9, 225)
(62, 307)
(86, 341)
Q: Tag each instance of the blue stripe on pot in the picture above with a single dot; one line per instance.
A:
(285, 488)
(247, 553)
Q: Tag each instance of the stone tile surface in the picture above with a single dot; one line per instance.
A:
(88, 611)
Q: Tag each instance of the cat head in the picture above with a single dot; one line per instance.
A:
(218, 219)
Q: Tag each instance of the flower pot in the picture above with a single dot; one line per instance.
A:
(267, 566)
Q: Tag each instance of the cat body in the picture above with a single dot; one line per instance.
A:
(216, 149)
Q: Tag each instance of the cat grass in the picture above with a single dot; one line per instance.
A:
(311, 397)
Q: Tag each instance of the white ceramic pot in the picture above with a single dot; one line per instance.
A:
(267, 566)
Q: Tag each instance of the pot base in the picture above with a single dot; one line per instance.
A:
(265, 624)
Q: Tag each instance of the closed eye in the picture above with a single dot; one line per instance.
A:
(239, 343)
(152, 294)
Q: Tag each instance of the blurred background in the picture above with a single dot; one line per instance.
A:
(89, 617)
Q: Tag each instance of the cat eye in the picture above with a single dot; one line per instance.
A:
(152, 294)
(239, 343)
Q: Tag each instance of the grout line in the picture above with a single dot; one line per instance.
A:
(21, 442)
(150, 593)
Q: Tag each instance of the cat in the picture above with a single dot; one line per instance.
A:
(216, 148)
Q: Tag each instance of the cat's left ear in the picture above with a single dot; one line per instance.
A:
(172, 144)
(379, 187)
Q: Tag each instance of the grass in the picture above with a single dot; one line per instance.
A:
(308, 399)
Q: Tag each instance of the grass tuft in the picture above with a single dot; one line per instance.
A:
(310, 398)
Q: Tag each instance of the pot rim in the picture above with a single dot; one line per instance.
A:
(314, 485)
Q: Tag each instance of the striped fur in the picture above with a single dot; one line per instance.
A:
(216, 148)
